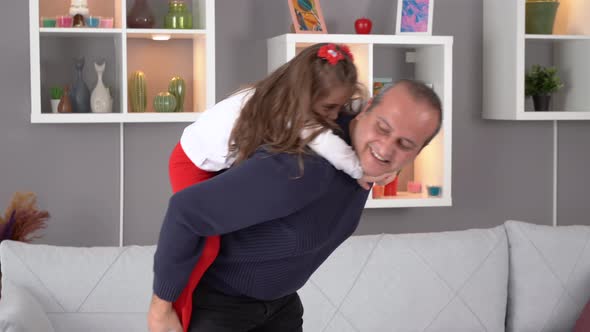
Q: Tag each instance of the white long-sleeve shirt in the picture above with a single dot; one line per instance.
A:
(206, 141)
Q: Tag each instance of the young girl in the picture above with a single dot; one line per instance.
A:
(303, 96)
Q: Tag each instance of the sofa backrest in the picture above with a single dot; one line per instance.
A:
(549, 276)
(84, 289)
(447, 281)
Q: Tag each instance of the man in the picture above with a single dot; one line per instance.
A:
(279, 225)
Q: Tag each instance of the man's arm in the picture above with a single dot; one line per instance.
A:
(262, 188)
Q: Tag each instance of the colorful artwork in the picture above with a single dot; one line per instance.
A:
(380, 83)
(415, 16)
(307, 16)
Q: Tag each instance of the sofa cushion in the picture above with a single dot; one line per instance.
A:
(447, 281)
(84, 285)
(549, 276)
(20, 312)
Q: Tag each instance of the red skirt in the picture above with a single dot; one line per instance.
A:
(183, 173)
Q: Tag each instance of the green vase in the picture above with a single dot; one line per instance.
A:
(164, 102)
(540, 16)
(178, 16)
(177, 88)
(137, 92)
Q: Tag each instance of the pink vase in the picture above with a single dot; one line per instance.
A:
(140, 16)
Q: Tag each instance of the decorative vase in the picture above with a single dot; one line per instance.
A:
(138, 92)
(141, 16)
(540, 16)
(178, 16)
(100, 100)
(164, 102)
(391, 188)
(80, 94)
(65, 104)
(541, 103)
(177, 88)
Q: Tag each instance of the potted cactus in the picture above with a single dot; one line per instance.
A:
(56, 94)
(540, 82)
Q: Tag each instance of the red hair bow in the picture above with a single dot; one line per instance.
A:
(333, 54)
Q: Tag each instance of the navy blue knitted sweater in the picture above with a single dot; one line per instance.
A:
(276, 225)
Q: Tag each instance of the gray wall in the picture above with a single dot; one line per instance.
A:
(501, 170)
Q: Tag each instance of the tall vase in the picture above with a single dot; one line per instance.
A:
(65, 104)
(100, 100)
(177, 88)
(80, 94)
(140, 16)
(137, 92)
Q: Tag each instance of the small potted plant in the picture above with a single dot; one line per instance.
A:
(56, 94)
(540, 83)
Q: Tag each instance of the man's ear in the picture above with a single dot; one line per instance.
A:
(367, 105)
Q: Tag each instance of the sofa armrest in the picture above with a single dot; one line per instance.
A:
(20, 311)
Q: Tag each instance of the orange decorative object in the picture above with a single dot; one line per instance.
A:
(378, 191)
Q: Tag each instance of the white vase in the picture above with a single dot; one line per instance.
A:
(100, 100)
(54, 103)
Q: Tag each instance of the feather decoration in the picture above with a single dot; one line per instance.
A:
(24, 218)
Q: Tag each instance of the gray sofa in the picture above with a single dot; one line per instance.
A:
(514, 277)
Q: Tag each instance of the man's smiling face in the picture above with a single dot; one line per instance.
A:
(389, 135)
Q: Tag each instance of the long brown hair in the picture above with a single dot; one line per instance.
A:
(281, 106)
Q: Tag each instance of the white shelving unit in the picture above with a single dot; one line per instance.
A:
(187, 53)
(432, 62)
(508, 52)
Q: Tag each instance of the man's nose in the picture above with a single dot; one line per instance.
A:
(388, 148)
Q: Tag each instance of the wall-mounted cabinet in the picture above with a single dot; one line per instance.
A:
(55, 46)
(508, 52)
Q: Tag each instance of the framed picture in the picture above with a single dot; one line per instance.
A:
(414, 17)
(307, 16)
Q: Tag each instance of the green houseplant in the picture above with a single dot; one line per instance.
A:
(540, 16)
(56, 94)
(540, 83)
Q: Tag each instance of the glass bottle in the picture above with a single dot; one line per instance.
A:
(178, 16)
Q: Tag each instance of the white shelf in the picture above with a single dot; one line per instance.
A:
(173, 33)
(77, 32)
(114, 117)
(161, 117)
(402, 40)
(433, 64)
(404, 199)
(558, 37)
(554, 115)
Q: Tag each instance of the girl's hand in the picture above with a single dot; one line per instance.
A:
(162, 317)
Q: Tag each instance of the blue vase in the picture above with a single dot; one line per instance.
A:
(80, 94)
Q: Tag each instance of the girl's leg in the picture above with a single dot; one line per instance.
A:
(184, 173)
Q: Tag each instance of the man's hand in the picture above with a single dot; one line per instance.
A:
(380, 180)
(162, 317)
